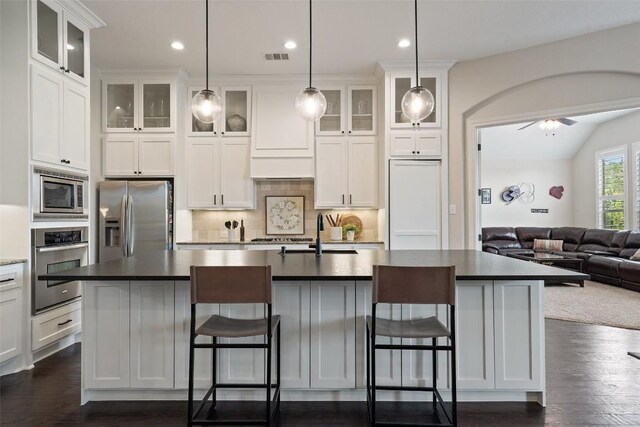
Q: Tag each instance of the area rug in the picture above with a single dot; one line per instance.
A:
(596, 303)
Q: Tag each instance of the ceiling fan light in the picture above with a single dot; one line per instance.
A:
(418, 103)
(311, 104)
(206, 106)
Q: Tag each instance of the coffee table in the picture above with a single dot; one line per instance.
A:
(552, 260)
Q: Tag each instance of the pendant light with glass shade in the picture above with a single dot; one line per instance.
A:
(206, 106)
(418, 102)
(311, 103)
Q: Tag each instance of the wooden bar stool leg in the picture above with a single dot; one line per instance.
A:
(279, 366)
(214, 375)
(454, 377)
(191, 351)
(434, 361)
(368, 373)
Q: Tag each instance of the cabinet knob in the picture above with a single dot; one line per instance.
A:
(63, 161)
(413, 152)
(349, 131)
(222, 132)
(66, 70)
(62, 68)
(342, 131)
(418, 124)
(139, 172)
(418, 152)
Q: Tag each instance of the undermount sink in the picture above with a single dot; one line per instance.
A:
(324, 251)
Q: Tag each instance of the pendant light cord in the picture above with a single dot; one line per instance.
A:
(310, 41)
(206, 43)
(416, 35)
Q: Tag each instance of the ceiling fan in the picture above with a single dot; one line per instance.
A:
(550, 124)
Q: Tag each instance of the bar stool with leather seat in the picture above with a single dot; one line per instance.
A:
(412, 285)
(233, 285)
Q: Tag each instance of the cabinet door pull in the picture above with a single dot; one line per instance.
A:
(222, 199)
(65, 322)
(343, 199)
(350, 199)
(215, 199)
(10, 279)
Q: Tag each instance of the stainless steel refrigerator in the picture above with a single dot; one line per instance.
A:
(135, 218)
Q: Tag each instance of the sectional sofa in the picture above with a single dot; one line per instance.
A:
(606, 253)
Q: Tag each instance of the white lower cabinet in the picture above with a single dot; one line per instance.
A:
(333, 323)
(106, 335)
(519, 332)
(129, 335)
(11, 311)
(152, 334)
(291, 300)
(474, 315)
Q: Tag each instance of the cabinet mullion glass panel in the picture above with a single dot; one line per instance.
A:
(75, 50)
(430, 84)
(331, 121)
(401, 86)
(196, 125)
(361, 110)
(48, 32)
(156, 105)
(120, 105)
(235, 111)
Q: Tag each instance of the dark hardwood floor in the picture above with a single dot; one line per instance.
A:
(590, 381)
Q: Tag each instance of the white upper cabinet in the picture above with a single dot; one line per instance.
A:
(426, 144)
(235, 119)
(131, 105)
(346, 172)
(59, 119)
(137, 155)
(351, 110)
(400, 84)
(59, 40)
(218, 173)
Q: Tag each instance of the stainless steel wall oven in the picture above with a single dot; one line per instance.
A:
(54, 250)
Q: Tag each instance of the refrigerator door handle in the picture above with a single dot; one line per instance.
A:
(131, 232)
(123, 225)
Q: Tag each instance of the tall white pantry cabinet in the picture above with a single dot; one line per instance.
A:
(416, 159)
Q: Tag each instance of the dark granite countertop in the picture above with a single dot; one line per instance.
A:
(174, 265)
(11, 261)
(324, 242)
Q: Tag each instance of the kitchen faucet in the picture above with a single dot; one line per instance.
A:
(319, 228)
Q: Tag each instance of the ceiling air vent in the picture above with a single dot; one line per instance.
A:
(276, 56)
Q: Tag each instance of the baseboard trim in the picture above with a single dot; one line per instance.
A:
(55, 347)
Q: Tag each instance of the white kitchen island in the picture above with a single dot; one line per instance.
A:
(136, 326)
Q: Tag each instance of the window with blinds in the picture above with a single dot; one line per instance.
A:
(611, 189)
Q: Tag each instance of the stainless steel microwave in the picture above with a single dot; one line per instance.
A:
(60, 193)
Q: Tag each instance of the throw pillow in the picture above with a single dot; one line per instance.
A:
(547, 245)
(636, 256)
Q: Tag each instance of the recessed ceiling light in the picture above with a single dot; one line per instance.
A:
(404, 43)
(290, 45)
(177, 45)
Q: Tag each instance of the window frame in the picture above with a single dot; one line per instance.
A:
(621, 151)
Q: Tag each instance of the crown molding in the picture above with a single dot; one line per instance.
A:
(150, 72)
(386, 66)
(83, 13)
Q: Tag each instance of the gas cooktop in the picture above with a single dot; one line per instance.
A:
(283, 239)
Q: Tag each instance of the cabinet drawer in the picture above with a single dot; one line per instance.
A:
(56, 324)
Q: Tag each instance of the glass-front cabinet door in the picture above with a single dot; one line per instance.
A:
(119, 103)
(362, 110)
(400, 84)
(75, 48)
(332, 123)
(155, 114)
(194, 126)
(47, 24)
(236, 111)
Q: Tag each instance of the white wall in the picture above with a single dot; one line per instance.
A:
(500, 174)
(584, 72)
(623, 131)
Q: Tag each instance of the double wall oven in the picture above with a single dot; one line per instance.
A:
(55, 250)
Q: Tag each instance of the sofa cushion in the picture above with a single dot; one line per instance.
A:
(490, 234)
(526, 235)
(631, 245)
(629, 271)
(572, 236)
(618, 241)
(547, 245)
(596, 240)
(604, 266)
(572, 254)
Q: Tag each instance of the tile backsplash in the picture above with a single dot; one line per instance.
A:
(209, 225)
